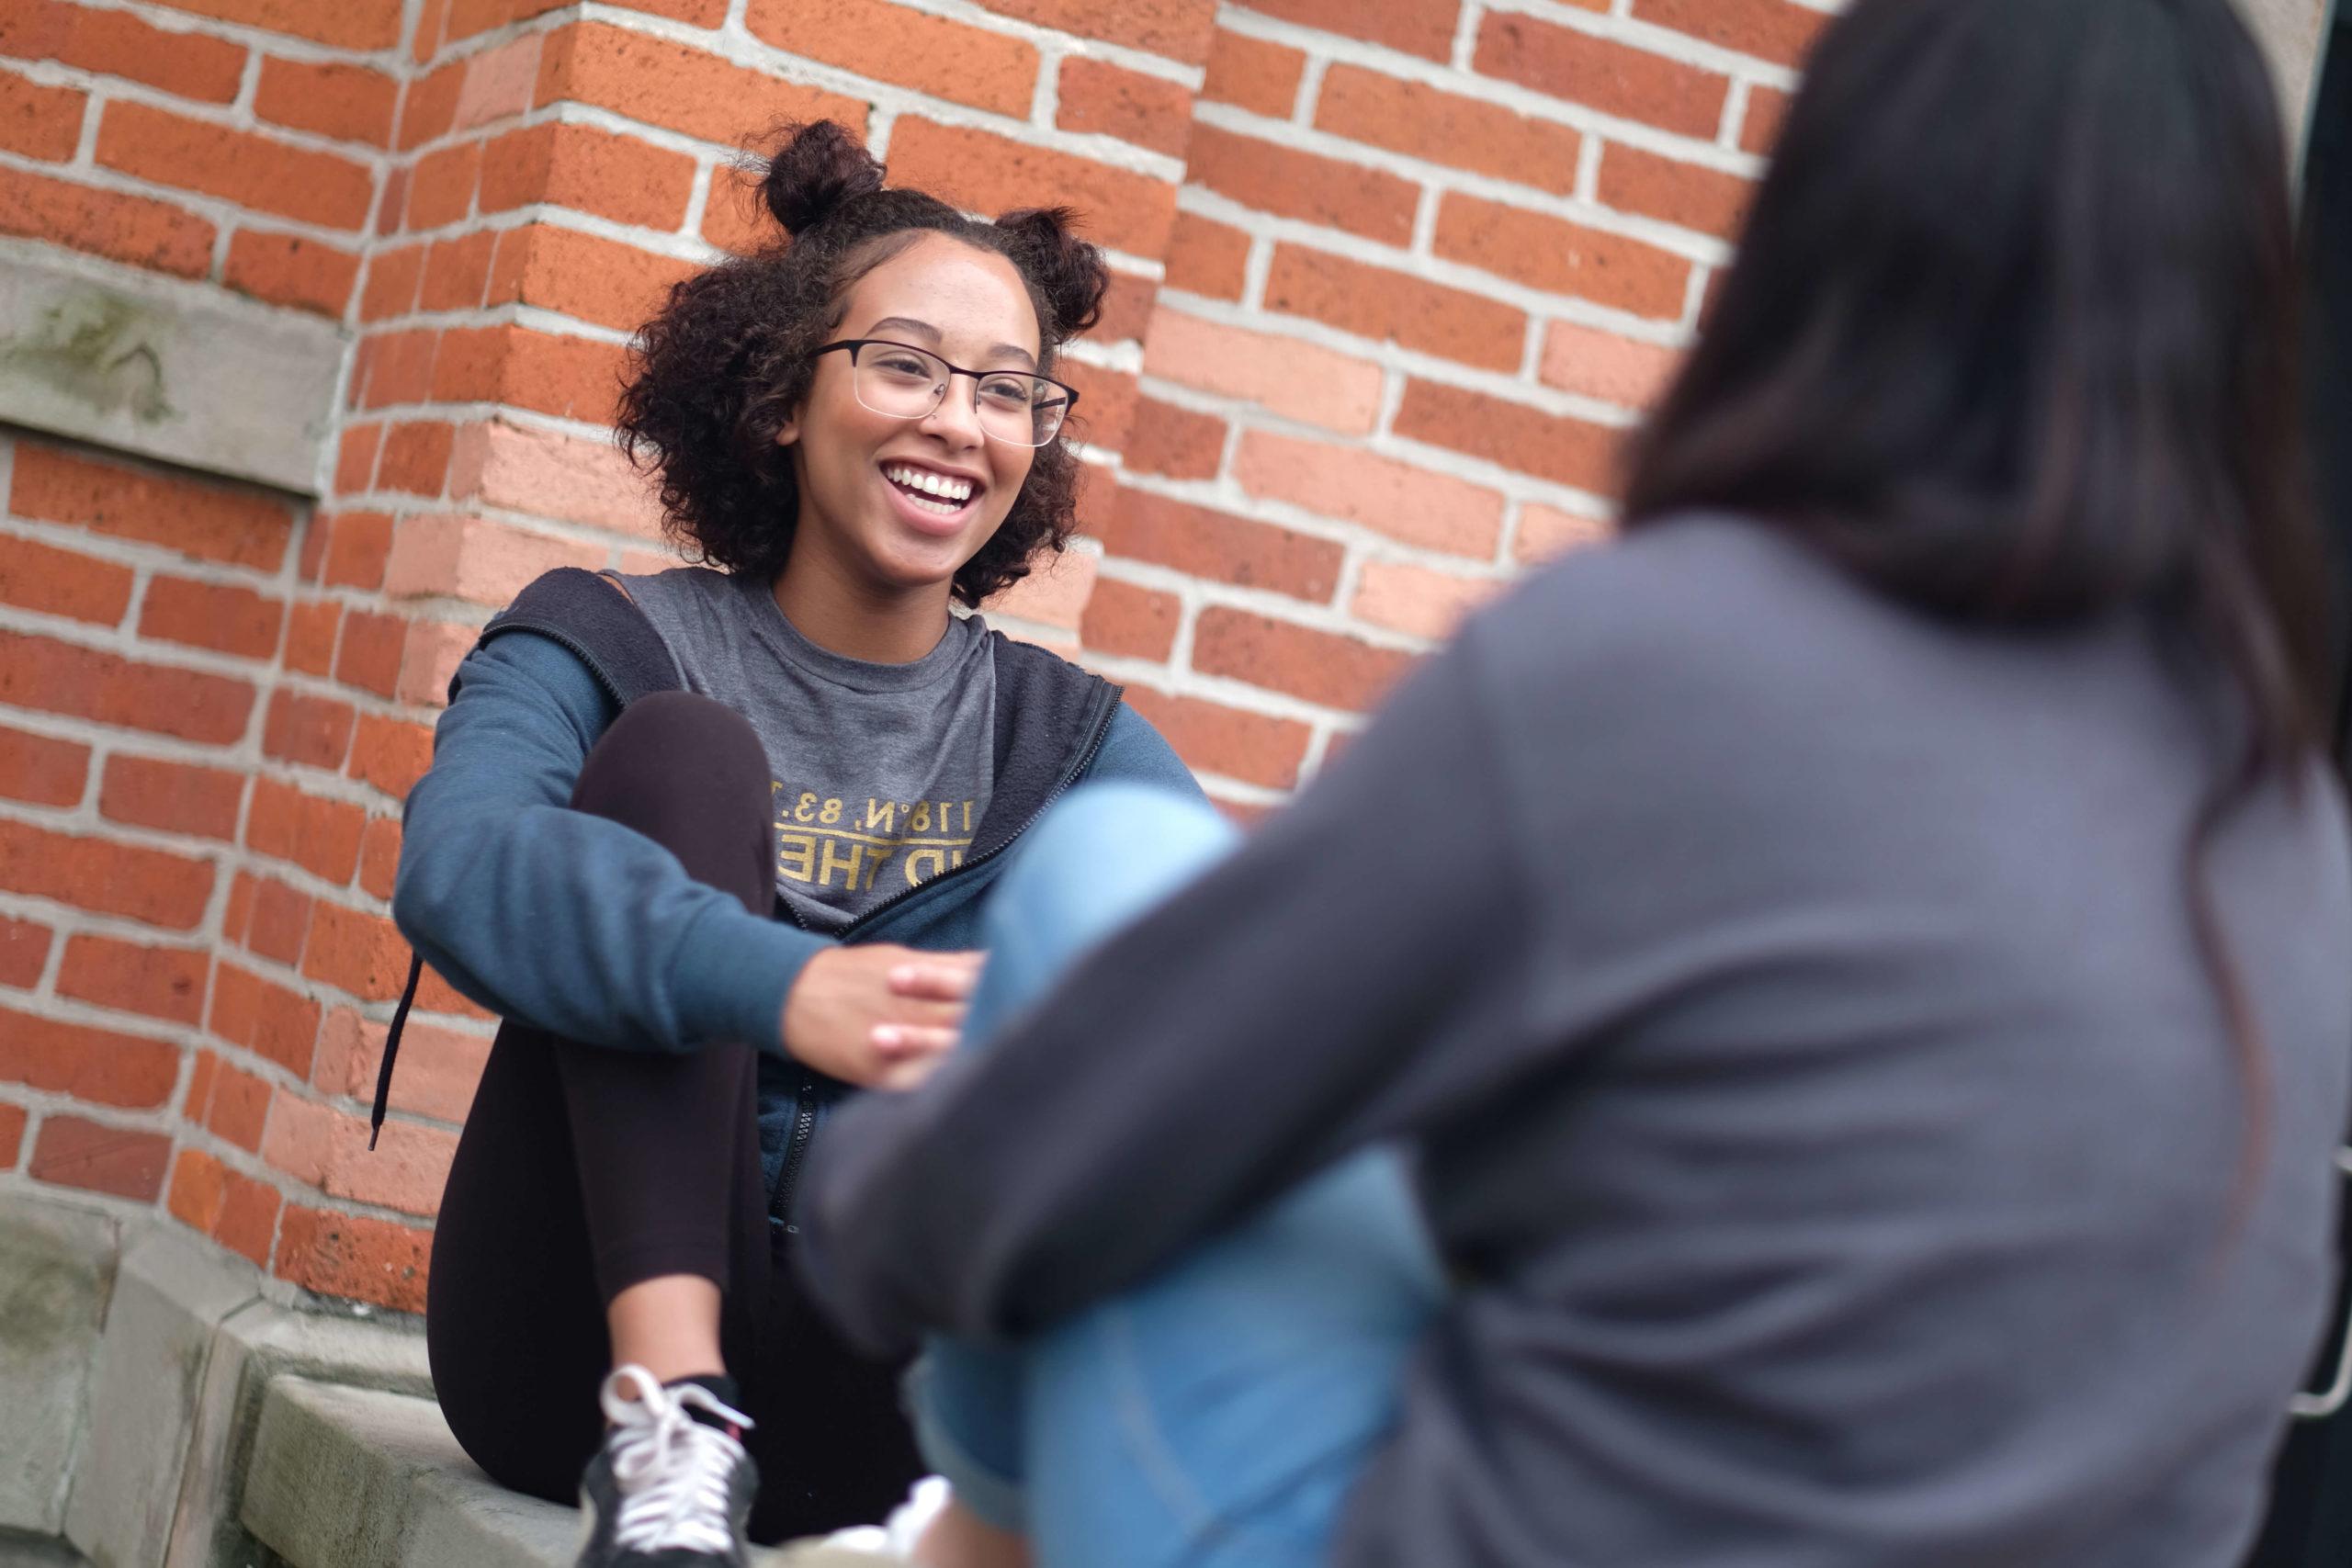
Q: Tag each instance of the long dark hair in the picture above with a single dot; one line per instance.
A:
(718, 371)
(2011, 337)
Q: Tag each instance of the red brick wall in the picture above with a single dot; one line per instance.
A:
(1393, 280)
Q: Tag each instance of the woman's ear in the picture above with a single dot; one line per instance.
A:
(789, 430)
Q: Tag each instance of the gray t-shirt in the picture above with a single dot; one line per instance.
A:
(881, 772)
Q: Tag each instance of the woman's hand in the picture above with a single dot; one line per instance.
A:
(878, 1016)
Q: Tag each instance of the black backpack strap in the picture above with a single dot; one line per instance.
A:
(605, 630)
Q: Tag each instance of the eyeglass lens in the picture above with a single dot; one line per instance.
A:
(907, 383)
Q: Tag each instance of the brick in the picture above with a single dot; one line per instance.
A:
(1230, 741)
(1550, 447)
(272, 1022)
(439, 1068)
(395, 368)
(1127, 307)
(353, 1257)
(1298, 381)
(328, 1149)
(12, 1134)
(1053, 594)
(456, 272)
(390, 753)
(1414, 27)
(281, 921)
(443, 187)
(1378, 303)
(57, 677)
(161, 982)
(431, 25)
(1770, 30)
(1288, 183)
(239, 914)
(734, 217)
(249, 169)
(983, 172)
(313, 731)
(946, 59)
(391, 206)
(199, 1184)
(678, 86)
(209, 614)
(1597, 364)
(470, 558)
(552, 475)
(97, 1066)
(357, 544)
(42, 771)
(359, 954)
(1447, 128)
(1177, 442)
(372, 648)
(347, 24)
(1404, 500)
(417, 457)
(248, 1222)
(38, 121)
(217, 523)
(428, 106)
(134, 230)
(698, 13)
(24, 952)
(1417, 600)
(355, 457)
(35, 576)
(1560, 257)
(1128, 621)
(341, 102)
(379, 856)
(1768, 111)
(434, 650)
(498, 83)
(1691, 195)
(1253, 74)
(594, 279)
(72, 1151)
(239, 1107)
(1318, 666)
(175, 797)
(151, 886)
(116, 43)
(1220, 545)
(1150, 111)
(1178, 29)
(321, 836)
(287, 269)
(572, 378)
(1207, 257)
(1544, 533)
(1603, 74)
(310, 631)
(1106, 403)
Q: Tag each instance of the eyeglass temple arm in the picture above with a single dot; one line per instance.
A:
(2338, 1393)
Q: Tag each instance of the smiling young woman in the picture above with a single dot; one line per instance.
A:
(715, 843)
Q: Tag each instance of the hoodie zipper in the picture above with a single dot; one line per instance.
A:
(804, 1120)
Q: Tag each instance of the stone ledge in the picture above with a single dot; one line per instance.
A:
(357, 1478)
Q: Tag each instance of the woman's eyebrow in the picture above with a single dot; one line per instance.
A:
(932, 335)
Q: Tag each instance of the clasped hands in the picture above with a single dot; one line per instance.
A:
(879, 1016)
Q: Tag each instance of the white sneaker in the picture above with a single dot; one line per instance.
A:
(666, 1488)
(893, 1541)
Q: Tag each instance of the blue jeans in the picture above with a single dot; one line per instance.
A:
(1216, 1415)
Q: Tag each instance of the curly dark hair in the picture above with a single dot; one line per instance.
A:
(716, 375)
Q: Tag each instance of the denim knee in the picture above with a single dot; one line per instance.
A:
(1102, 855)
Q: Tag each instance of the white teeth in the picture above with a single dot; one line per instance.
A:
(956, 490)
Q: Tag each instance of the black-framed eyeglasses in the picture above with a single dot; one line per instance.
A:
(905, 382)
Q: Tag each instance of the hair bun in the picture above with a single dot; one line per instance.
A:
(817, 168)
(1066, 269)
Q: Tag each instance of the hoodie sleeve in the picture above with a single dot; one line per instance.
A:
(1344, 977)
(1135, 752)
(573, 923)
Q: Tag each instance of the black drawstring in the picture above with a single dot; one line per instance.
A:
(391, 1048)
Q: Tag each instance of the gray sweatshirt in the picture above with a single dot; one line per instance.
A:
(1791, 1001)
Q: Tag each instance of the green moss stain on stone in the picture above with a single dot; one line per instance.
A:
(97, 348)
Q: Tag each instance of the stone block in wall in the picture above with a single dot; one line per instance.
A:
(57, 1275)
(169, 370)
(171, 1294)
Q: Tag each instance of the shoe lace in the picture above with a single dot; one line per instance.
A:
(674, 1470)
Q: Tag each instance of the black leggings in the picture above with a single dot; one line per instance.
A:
(583, 1171)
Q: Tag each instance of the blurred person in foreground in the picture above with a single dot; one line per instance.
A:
(1850, 979)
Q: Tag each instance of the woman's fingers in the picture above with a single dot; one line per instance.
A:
(937, 977)
(905, 1040)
